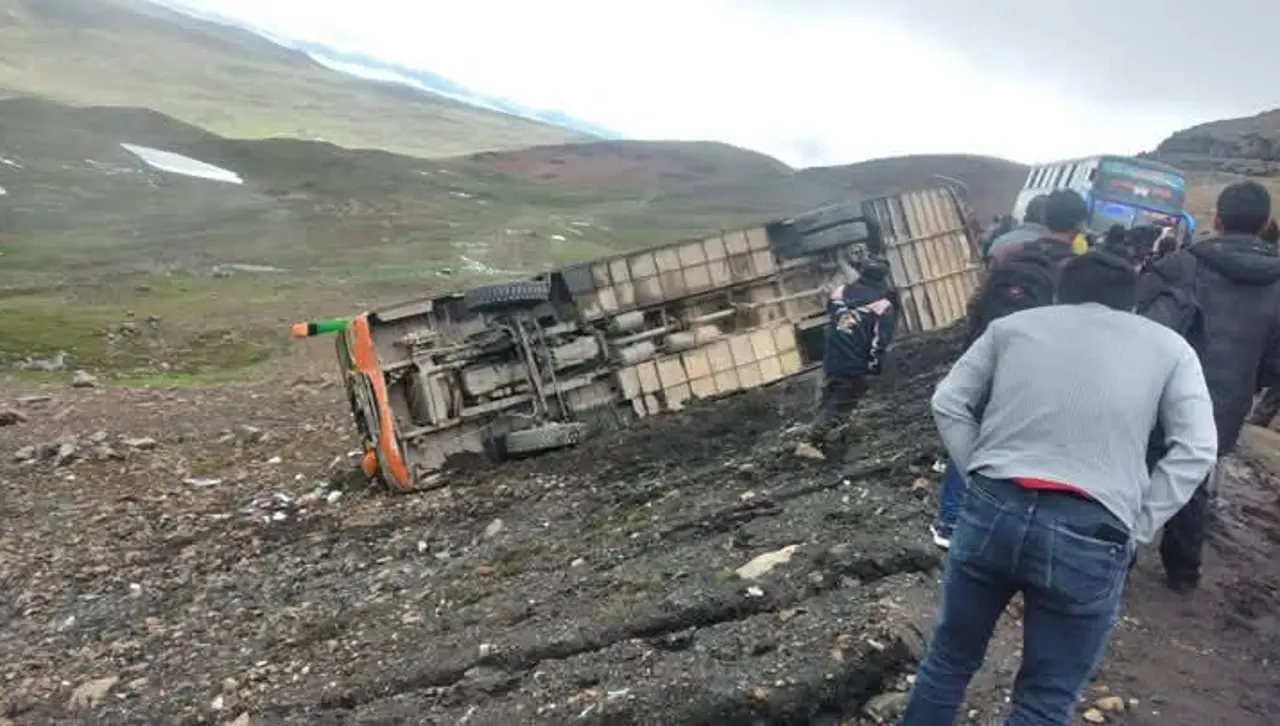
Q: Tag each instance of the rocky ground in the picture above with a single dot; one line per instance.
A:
(205, 556)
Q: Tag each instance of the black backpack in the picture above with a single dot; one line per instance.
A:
(1023, 281)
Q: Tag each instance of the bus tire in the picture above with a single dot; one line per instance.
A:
(507, 295)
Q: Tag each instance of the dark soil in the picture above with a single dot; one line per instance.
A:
(592, 586)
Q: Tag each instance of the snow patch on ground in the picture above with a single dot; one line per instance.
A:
(184, 165)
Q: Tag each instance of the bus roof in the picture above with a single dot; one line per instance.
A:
(1136, 160)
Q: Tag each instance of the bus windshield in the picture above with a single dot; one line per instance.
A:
(1139, 186)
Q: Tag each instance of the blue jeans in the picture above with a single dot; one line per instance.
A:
(950, 498)
(1068, 556)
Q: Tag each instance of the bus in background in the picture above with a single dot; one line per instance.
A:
(1119, 190)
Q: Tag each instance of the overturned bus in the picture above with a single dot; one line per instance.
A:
(535, 364)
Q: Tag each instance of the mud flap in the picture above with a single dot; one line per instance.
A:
(543, 438)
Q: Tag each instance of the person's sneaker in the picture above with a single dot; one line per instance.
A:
(941, 535)
(806, 450)
(1182, 585)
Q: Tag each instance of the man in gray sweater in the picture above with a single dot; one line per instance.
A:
(1050, 413)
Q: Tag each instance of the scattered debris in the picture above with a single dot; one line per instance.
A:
(11, 417)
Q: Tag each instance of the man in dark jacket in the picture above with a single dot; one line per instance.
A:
(860, 323)
(1223, 295)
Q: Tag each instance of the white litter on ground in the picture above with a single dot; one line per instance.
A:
(3, 192)
(184, 165)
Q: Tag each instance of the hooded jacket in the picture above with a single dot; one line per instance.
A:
(860, 323)
(1222, 295)
(1023, 233)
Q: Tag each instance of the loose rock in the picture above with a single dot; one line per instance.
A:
(494, 529)
(91, 693)
(886, 706)
(65, 453)
(1111, 704)
(83, 379)
(761, 565)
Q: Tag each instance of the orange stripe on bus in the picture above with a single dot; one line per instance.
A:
(365, 356)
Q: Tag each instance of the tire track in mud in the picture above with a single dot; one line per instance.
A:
(671, 625)
(840, 561)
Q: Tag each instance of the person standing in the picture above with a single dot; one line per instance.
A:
(1059, 491)
(1222, 295)
(1031, 229)
(861, 318)
(1022, 278)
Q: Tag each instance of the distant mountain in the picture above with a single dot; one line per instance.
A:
(234, 81)
(366, 66)
(363, 65)
(1249, 145)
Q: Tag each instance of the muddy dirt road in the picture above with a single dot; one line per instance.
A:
(203, 556)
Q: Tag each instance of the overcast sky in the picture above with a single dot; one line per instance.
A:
(834, 81)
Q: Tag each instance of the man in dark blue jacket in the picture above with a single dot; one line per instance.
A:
(860, 324)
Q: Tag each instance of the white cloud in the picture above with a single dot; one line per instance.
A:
(810, 90)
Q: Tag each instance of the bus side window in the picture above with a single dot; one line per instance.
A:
(1093, 173)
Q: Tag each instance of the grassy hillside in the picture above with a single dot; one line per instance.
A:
(92, 242)
(133, 53)
(992, 183)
